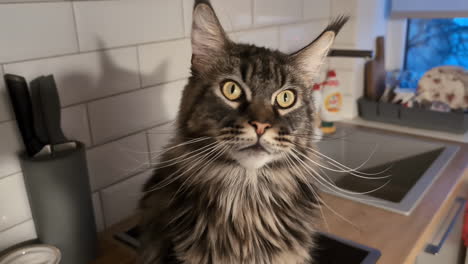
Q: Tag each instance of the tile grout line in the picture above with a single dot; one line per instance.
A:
(148, 145)
(16, 225)
(10, 175)
(130, 134)
(278, 36)
(6, 121)
(252, 12)
(183, 18)
(303, 9)
(45, 1)
(103, 215)
(124, 92)
(126, 178)
(90, 131)
(140, 73)
(75, 23)
(92, 50)
(253, 28)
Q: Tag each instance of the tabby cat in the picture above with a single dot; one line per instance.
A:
(234, 185)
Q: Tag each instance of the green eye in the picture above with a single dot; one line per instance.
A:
(286, 98)
(231, 90)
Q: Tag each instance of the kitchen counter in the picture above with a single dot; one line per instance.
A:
(400, 238)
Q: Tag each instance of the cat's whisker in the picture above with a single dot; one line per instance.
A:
(338, 214)
(197, 168)
(321, 201)
(353, 170)
(198, 161)
(331, 185)
(217, 152)
(192, 141)
(174, 176)
(181, 158)
(290, 164)
(150, 163)
(344, 168)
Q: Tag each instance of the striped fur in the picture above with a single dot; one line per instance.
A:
(204, 205)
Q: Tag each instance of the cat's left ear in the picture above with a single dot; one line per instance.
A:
(208, 37)
(310, 58)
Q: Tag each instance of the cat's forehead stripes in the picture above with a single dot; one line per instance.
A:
(261, 70)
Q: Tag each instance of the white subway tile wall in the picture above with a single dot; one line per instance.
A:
(294, 37)
(75, 124)
(10, 146)
(120, 199)
(104, 24)
(233, 15)
(158, 137)
(21, 232)
(98, 215)
(85, 76)
(12, 189)
(314, 9)
(120, 67)
(347, 7)
(272, 12)
(264, 37)
(165, 61)
(117, 160)
(34, 30)
(119, 115)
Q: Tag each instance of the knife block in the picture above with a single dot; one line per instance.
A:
(60, 197)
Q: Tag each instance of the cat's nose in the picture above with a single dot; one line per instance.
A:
(259, 127)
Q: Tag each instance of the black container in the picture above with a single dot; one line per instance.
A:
(453, 122)
(390, 112)
(368, 109)
(449, 122)
(61, 204)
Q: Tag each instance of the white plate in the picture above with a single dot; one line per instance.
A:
(35, 254)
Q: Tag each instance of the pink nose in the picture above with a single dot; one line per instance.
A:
(260, 127)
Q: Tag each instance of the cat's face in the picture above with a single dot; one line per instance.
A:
(255, 104)
(253, 101)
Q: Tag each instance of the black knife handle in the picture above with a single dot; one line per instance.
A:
(21, 102)
(37, 109)
(51, 110)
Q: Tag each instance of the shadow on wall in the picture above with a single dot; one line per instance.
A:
(131, 116)
(128, 107)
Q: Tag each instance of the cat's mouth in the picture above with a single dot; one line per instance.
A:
(257, 147)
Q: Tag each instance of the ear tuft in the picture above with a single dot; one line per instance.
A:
(337, 24)
(208, 37)
(310, 58)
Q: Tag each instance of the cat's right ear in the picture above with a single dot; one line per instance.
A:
(208, 37)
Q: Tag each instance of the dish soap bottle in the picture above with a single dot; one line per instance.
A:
(330, 111)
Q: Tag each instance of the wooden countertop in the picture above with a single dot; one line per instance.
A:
(400, 238)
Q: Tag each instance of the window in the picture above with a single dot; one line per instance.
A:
(435, 42)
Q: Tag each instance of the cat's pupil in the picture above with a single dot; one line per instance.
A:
(233, 88)
(285, 97)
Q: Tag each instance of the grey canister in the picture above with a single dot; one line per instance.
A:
(61, 204)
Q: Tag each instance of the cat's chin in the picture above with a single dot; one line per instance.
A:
(252, 160)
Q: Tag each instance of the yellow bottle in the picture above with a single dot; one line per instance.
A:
(330, 110)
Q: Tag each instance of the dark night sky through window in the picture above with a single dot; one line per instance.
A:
(436, 42)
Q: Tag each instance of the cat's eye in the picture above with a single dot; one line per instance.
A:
(231, 90)
(286, 98)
